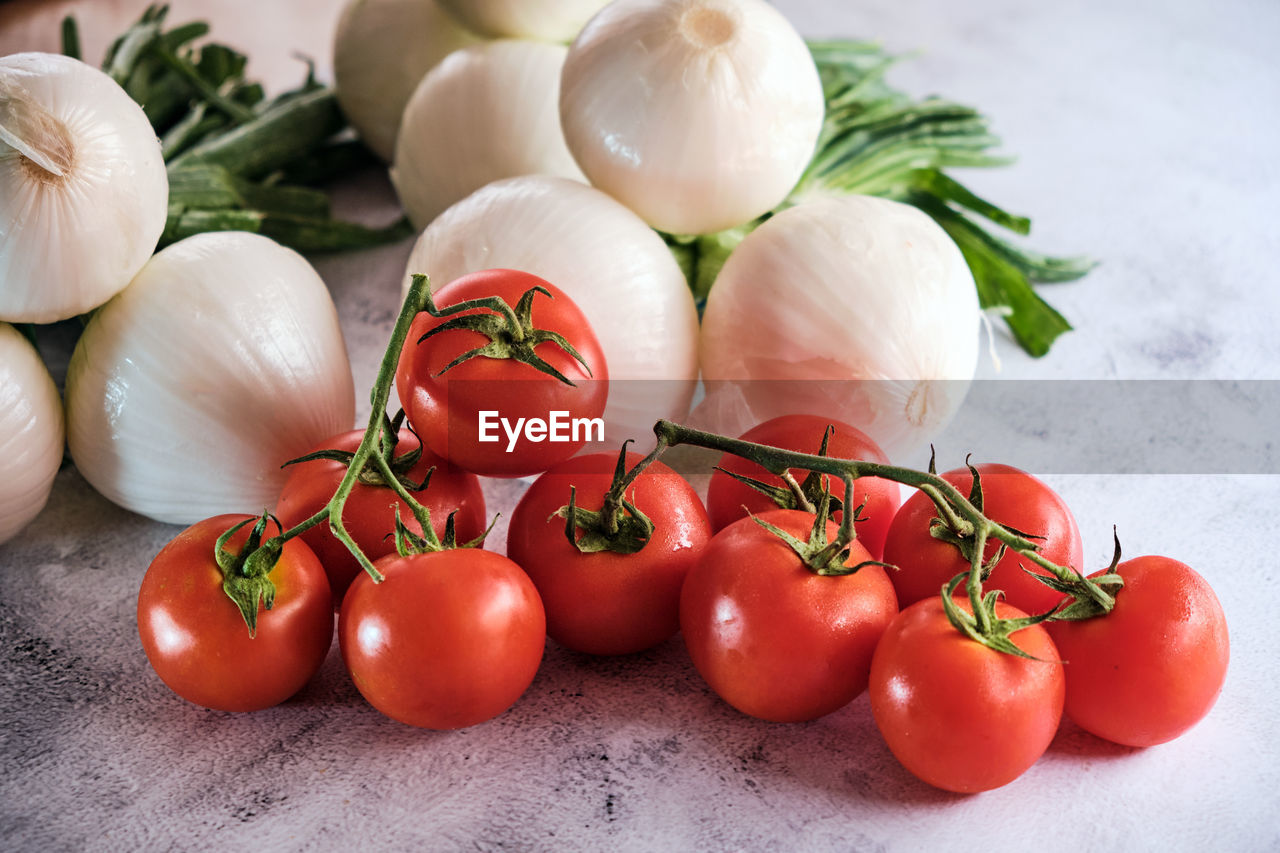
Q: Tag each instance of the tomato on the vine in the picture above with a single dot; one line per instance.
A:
(958, 714)
(605, 602)
(1010, 497)
(196, 638)
(496, 388)
(1151, 668)
(447, 640)
(370, 511)
(773, 638)
(729, 499)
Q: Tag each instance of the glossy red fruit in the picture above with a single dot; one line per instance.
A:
(771, 637)
(606, 603)
(1153, 667)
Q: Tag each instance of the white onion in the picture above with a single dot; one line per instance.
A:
(83, 190)
(545, 20)
(484, 113)
(699, 115)
(30, 432)
(380, 53)
(841, 289)
(222, 360)
(607, 260)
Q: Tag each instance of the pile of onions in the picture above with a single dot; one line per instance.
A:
(30, 432)
(607, 260)
(856, 308)
(486, 112)
(221, 361)
(83, 189)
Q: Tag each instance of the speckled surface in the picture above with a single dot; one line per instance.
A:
(1147, 137)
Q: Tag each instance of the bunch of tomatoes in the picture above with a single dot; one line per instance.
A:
(611, 554)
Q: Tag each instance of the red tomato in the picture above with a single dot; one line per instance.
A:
(447, 640)
(370, 511)
(445, 408)
(1010, 497)
(772, 638)
(606, 603)
(1153, 667)
(728, 499)
(197, 640)
(956, 713)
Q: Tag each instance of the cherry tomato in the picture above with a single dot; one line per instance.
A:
(1011, 497)
(1153, 667)
(606, 603)
(772, 638)
(370, 511)
(196, 639)
(728, 499)
(446, 406)
(447, 640)
(957, 714)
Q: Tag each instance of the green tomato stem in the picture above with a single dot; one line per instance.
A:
(953, 507)
(414, 302)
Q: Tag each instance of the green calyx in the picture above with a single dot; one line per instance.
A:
(409, 543)
(245, 573)
(803, 496)
(619, 525)
(821, 555)
(372, 471)
(1091, 596)
(510, 331)
(982, 625)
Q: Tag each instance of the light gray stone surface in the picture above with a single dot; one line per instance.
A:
(1147, 138)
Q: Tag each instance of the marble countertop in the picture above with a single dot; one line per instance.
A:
(1146, 135)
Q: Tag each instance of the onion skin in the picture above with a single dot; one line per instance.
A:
(31, 432)
(855, 308)
(617, 270)
(222, 360)
(71, 241)
(699, 115)
(540, 20)
(381, 51)
(485, 113)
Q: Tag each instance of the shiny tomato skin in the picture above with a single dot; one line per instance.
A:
(447, 640)
(958, 714)
(605, 603)
(370, 511)
(1010, 496)
(445, 408)
(729, 500)
(197, 641)
(1153, 667)
(772, 638)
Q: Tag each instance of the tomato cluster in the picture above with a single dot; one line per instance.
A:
(784, 606)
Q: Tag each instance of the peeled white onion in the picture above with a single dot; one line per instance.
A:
(83, 190)
(222, 360)
(699, 115)
(607, 260)
(380, 53)
(30, 432)
(544, 20)
(855, 308)
(486, 112)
